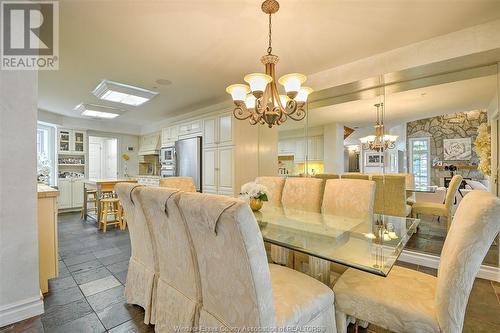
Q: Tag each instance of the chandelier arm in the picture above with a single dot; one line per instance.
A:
(241, 112)
(297, 113)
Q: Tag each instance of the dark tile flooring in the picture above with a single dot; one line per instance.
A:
(88, 294)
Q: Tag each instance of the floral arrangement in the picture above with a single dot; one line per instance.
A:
(252, 190)
(125, 157)
(43, 169)
(482, 146)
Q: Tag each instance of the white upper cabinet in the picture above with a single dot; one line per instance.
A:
(210, 132)
(286, 147)
(71, 141)
(169, 135)
(297, 148)
(225, 130)
(190, 127)
(218, 131)
(315, 148)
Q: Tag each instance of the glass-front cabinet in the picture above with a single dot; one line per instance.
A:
(71, 141)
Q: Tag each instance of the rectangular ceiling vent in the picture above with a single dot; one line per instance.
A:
(123, 93)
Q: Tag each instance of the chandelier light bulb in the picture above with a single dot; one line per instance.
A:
(367, 139)
(303, 94)
(238, 92)
(250, 101)
(292, 83)
(258, 81)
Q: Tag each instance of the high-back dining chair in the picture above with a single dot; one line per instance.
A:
(275, 188)
(239, 288)
(411, 301)
(438, 209)
(390, 195)
(139, 287)
(349, 197)
(185, 184)
(302, 194)
(178, 289)
(354, 175)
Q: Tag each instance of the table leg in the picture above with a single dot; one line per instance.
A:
(85, 202)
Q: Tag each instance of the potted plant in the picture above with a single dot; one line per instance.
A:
(255, 193)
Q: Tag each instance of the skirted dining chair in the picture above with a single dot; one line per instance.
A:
(352, 198)
(139, 286)
(185, 184)
(178, 289)
(275, 188)
(239, 288)
(303, 194)
(438, 209)
(390, 195)
(355, 175)
(411, 301)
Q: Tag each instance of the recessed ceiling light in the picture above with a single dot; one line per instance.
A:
(123, 93)
(98, 111)
(164, 82)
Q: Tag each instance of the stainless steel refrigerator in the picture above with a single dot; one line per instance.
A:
(188, 159)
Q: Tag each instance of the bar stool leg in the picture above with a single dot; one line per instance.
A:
(105, 217)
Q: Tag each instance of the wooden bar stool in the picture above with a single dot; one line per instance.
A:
(110, 206)
(91, 198)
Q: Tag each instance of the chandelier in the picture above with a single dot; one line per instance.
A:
(260, 102)
(379, 141)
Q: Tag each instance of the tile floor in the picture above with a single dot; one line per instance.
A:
(88, 294)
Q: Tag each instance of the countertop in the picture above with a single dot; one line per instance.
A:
(109, 180)
(45, 191)
(147, 176)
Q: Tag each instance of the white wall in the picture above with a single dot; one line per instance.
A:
(333, 136)
(19, 280)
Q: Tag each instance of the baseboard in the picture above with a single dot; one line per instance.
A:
(12, 313)
(432, 261)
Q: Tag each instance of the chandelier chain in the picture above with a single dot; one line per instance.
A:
(270, 48)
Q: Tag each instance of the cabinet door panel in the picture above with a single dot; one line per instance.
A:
(165, 136)
(300, 150)
(77, 193)
(226, 169)
(209, 132)
(225, 129)
(64, 200)
(209, 168)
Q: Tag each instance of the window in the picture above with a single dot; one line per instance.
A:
(420, 161)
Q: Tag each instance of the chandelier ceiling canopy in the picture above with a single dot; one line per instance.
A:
(260, 101)
(379, 141)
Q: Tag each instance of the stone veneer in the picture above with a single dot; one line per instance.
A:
(449, 126)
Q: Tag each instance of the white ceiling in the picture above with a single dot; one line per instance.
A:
(202, 46)
(459, 96)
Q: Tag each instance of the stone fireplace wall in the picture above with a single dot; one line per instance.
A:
(449, 126)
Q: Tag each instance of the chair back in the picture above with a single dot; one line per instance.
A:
(178, 290)
(451, 192)
(235, 277)
(303, 194)
(185, 184)
(349, 197)
(326, 176)
(275, 188)
(472, 232)
(141, 271)
(355, 175)
(390, 195)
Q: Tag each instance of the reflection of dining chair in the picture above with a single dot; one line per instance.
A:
(301, 194)
(411, 301)
(438, 209)
(390, 195)
(349, 197)
(274, 187)
(141, 273)
(178, 289)
(240, 290)
(185, 184)
(354, 175)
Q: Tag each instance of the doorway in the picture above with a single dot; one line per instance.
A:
(103, 157)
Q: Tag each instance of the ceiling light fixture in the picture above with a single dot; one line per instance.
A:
(123, 93)
(260, 102)
(98, 111)
(379, 141)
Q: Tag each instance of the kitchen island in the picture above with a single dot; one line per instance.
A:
(100, 185)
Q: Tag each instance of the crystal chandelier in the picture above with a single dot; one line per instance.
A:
(261, 103)
(379, 141)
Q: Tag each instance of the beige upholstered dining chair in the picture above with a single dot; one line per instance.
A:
(139, 287)
(390, 195)
(349, 197)
(411, 301)
(185, 184)
(178, 289)
(239, 288)
(355, 175)
(303, 194)
(438, 209)
(275, 188)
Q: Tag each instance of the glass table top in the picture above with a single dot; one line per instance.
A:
(372, 245)
(423, 189)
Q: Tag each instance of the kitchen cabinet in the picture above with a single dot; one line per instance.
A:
(71, 141)
(190, 127)
(218, 170)
(315, 148)
(210, 170)
(70, 193)
(286, 147)
(297, 148)
(218, 131)
(150, 144)
(169, 135)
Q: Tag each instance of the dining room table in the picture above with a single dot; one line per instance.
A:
(102, 186)
(371, 244)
